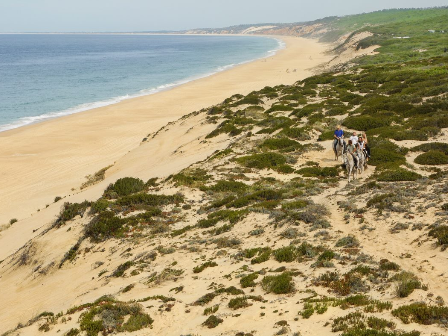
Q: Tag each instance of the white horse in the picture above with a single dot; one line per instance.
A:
(362, 162)
(339, 150)
(350, 166)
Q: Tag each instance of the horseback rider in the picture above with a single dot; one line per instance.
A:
(362, 146)
(366, 146)
(354, 139)
(351, 149)
(338, 134)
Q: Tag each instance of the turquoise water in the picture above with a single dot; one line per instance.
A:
(46, 76)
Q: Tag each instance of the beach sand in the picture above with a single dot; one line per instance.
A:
(41, 161)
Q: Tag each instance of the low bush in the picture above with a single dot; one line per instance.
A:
(326, 135)
(421, 313)
(122, 268)
(279, 107)
(71, 210)
(348, 241)
(111, 315)
(191, 178)
(440, 233)
(141, 200)
(364, 123)
(301, 134)
(238, 302)
(282, 144)
(432, 157)
(99, 206)
(278, 284)
(228, 186)
(285, 254)
(199, 269)
(105, 225)
(262, 161)
(398, 174)
(318, 172)
(387, 265)
(381, 156)
(212, 322)
(249, 280)
(125, 186)
(406, 283)
(436, 146)
(298, 204)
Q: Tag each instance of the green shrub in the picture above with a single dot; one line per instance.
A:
(441, 233)
(301, 134)
(348, 241)
(199, 269)
(100, 205)
(72, 332)
(263, 255)
(285, 254)
(71, 210)
(364, 123)
(432, 157)
(249, 280)
(421, 313)
(110, 314)
(211, 310)
(249, 100)
(326, 255)
(283, 144)
(308, 310)
(398, 174)
(284, 169)
(238, 302)
(379, 201)
(380, 156)
(279, 107)
(298, 204)
(122, 268)
(318, 172)
(307, 250)
(278, 284)
(105, 225)
(326, 135)
(126, 186)
(142, 199)
(12, 221)
(212, 322)
(262, 161)
(387, 265)
(137, 322)
(437, 146)
(228, 186)
(406, 283)
(191, 178)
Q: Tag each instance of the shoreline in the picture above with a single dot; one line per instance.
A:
(51, 158)
(84, 107)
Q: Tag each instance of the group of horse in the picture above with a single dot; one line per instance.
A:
(349, 161)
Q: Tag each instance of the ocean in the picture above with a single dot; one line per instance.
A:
(47, 76)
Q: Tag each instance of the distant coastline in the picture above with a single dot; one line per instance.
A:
(27, 120)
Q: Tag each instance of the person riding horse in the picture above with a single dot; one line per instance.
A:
(338, 134)
(351, 149)
(363, 146)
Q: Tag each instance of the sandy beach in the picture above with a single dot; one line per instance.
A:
(52, 158)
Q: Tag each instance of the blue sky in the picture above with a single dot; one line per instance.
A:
(148, 15)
